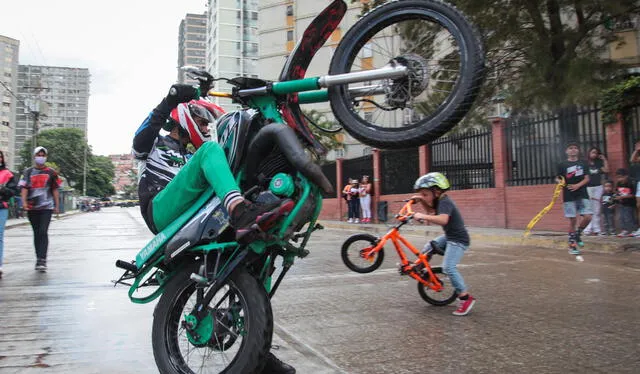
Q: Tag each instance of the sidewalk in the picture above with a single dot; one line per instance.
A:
(15, 222)
(503, 237)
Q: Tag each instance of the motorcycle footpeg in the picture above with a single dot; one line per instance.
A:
(127, 266)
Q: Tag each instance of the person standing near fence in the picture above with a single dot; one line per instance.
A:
(40, 198)
(626, 202)
(608, 209)
(8, 188)
(365, 199)
(351, 194)
(598, 165)
(635, 173)
(575, 197)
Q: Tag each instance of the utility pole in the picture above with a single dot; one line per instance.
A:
(36, 108)
(84, 173)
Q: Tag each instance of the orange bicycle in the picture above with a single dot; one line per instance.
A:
(364, 253)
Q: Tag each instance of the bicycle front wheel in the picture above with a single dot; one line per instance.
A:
(444, 58)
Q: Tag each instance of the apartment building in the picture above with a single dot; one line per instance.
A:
(60, 96)
(9, 52)
(192, 44)
(232, 42)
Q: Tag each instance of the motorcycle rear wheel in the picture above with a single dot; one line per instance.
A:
(242, 327)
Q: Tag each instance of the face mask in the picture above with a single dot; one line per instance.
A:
(40, 160)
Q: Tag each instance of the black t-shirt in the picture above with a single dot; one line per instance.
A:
(607, 200)
(595, 173)
(627, 188)
(573, 173)
(454, 229)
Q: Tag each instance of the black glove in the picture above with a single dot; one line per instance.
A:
(205, 83)
(181, 93)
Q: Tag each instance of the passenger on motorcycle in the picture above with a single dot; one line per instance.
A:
(172, 178)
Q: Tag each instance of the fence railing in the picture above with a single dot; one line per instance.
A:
(466, 159)
(632, 127)
(399, 170)
(537, 143)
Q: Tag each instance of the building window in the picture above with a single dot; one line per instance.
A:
(289, 10)
(289, 35)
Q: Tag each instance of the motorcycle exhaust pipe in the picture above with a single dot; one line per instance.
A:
(289, 144)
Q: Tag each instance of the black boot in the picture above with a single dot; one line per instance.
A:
(275, 366)
(246, 214)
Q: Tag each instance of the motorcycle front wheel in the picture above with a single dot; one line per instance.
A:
(236, 334)
(444, 57)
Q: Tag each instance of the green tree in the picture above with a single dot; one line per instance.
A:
(100, 176)
(545, 53)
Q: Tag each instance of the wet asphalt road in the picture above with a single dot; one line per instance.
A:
(538, 310)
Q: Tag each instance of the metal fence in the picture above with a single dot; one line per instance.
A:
(466, 159)
(537, 143)
(329, 170)
(355, 168)
(399, 169)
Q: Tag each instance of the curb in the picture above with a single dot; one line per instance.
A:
(10, 225)
(557, 241)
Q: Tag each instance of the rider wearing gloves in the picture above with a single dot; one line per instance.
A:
(169, 184)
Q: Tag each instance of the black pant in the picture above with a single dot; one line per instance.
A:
(40, 220)
(354, 207)
(608, 221)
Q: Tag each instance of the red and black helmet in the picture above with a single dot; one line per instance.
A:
(193, 115)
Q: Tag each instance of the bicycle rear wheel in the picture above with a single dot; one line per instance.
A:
(444, 57)
(446, 296)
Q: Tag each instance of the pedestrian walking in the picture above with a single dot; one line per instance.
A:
(575, 197)
(365, 199)
(598, 166)
(40, 198)
(626, 202)
(8, 188)
(608, 206)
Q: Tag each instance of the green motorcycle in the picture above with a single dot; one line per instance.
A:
(403, 75)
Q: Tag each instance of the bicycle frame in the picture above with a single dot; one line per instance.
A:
(393, 235)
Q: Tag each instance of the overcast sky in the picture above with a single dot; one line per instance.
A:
(130, 48)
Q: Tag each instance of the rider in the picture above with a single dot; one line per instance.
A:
(172, 178)
(432, 188)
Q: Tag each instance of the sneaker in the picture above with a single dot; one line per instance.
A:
(623, 233)
(574, 251)
(636, 233)
(275, 366)
(41, 265)
(579, 239)
(350, 220)
(464, 306)
(357, 221)
(603, 234)
(246, 214)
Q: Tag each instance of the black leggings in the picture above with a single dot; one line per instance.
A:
(354, 207)
(40, 220)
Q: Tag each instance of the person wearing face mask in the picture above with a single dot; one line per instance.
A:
(39, 192)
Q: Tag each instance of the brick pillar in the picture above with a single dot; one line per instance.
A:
(500, 155)
(424, 157)
(617, 152)
(376, 184)
(501, 168)
(339, 187)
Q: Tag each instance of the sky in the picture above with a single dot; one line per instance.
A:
(130, 48)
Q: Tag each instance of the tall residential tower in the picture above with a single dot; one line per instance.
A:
(192, 44)
(64, 91)
(9, 76)
(232, 42)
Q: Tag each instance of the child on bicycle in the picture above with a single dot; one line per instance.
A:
(432, 196)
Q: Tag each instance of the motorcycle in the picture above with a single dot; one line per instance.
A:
(214, 312)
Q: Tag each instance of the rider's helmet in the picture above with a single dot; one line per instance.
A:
(432, 180)
(194, 119)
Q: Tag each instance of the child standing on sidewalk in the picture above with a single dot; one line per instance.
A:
(608, 206)
(626, 200)
(575, 197)
(432, 189)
